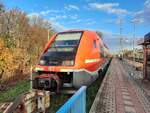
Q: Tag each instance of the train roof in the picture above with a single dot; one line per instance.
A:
(76, 30)
(146, 39)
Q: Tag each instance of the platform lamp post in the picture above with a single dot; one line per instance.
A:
(134, 41)
(121, 37)
(135, 22)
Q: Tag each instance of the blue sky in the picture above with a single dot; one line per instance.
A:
(102, 15)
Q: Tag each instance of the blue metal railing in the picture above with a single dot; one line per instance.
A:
(76, 104)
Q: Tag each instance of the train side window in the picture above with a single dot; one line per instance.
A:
(94, 43)
(102, 52)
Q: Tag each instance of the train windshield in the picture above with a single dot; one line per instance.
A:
(66, 42)
(63, 50)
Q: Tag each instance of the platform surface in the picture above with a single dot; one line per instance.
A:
(122, 91)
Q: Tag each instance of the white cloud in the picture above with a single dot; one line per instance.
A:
(61, 17)
(70, 7)
(137, 20)
(58, 17)
(144, 14)
(57, 26)
(83, 21)
(43, 13)
(118, 11)
(46, 12)
(89, 22)
(105, 6)
(79, 20)
(108, 7)
(138, 13)
(75, 21)
(74, 17)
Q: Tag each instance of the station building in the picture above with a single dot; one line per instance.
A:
(146, 51)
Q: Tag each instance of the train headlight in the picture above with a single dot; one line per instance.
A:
(68, 63)
(42, 62)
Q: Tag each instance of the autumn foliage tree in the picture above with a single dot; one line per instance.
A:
(22, 39)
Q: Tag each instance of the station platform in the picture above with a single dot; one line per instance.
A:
(122, 91)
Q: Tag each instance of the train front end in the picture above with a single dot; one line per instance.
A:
(68, 60)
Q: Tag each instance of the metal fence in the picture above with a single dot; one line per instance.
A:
(76, 104)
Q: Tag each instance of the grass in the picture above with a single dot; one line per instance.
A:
(12, 92)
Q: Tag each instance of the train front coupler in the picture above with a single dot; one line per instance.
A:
(49, 82)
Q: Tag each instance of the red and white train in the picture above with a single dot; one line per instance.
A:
(73, 57)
